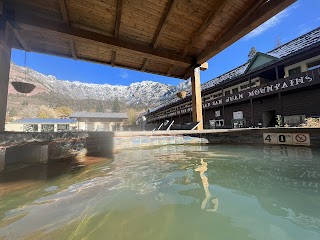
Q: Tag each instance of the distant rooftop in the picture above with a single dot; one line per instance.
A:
(108, 115)
(293, 47)
(300, 44)
(44, 121)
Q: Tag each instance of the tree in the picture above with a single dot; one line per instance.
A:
(132, 116)
(116, 105)
(46, 112)
(13, 112)
(278, 42)
(252, 52)
(63, 111)
(100, 107)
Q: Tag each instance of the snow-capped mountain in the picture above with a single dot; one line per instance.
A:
(147, 93)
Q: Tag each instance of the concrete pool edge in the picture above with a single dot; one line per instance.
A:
(41, 147)
(124, 140)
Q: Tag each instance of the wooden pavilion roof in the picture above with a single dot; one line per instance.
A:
(166, 37)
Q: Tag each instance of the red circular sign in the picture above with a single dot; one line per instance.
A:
(301, 138)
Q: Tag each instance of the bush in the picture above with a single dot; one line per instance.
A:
(311, 122)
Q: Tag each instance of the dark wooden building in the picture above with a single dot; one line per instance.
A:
(281, 84)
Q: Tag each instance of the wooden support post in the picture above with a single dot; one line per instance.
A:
(252, 112)
(5, 58)
(196, 98)
(279, 97)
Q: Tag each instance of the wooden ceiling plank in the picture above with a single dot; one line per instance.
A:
(118, 18)
(64, 11)
(259, 16)
(72, 32)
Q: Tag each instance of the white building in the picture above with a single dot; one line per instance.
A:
(98, 121)
(42, 125)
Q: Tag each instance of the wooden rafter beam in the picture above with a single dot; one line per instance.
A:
(17, 33)
(117, 29)
(118, 18)
(161, 27)
(70, 32)
(162, 24)
(204, 26)
(247, 24)
(66, 20)
(254, 8)
(64, 11)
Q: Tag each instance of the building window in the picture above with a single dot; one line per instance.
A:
(217, 95)
(243, 87)
(226, 93)
(63, 127)
(314, 65)
(235, 90)
(30, 127)
(47, 128)
(294, 71)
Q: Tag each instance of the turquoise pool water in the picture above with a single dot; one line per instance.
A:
(171, 192)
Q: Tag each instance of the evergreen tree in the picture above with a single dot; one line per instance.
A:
(116, 105)
(13, 112)
(278, 42)
(100, 107)
(252, 52)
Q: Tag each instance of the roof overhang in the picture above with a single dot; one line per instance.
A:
(163, 37)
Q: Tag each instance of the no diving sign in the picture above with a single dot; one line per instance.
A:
(302, 139)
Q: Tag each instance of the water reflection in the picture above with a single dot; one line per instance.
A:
(215, 202)
(256, 193)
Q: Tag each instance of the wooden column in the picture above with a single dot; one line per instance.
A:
(5, 57)
(279, 97)
(251, 104)
(196, 98)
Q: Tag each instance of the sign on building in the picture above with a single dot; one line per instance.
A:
(238, 115)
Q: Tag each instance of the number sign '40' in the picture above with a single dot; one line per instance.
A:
(287, 138)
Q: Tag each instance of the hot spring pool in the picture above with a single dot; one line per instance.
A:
(171, 192)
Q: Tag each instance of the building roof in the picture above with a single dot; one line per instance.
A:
(109, 115)
(44, 121)
(166, 37)
(293, 47)
(296, 46)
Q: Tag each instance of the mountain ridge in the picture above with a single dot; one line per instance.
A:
(145, 93)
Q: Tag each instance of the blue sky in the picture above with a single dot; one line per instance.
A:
(299, 18)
